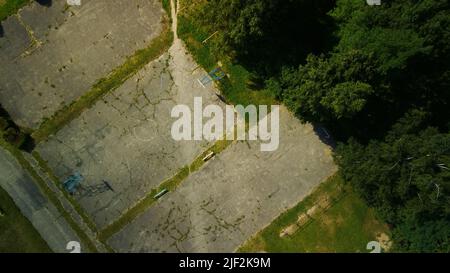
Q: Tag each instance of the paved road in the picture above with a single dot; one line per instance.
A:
(33, 204)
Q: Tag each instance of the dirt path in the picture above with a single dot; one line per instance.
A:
(174, 18)
(183, 67)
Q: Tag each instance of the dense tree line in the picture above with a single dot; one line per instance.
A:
(395, 55)
(406, 178)
(265, 34)
(378, 77)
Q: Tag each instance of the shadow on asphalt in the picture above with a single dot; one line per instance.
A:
(324, 135)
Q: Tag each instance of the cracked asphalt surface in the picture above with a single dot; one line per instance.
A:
(233, 196)
(52, 55)
(125, 138)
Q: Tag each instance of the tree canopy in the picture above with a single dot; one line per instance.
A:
(406, 178)
(395, 55)
(264, 35)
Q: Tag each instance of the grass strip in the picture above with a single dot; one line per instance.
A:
(115, 79)
(44, 166)
(170, 184)
(142, 205)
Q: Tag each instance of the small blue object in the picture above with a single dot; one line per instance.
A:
(73, 182)
(215, 75)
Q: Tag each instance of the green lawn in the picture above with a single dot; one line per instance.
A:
(9, 7)
(238, 87)
(346, 226)
(17, 235)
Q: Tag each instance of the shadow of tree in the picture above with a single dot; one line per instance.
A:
(45, 3)
(2, 32)
(255, 82)
(324, 135)
(291, 32)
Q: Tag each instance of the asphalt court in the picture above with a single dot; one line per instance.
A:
(52, 55)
